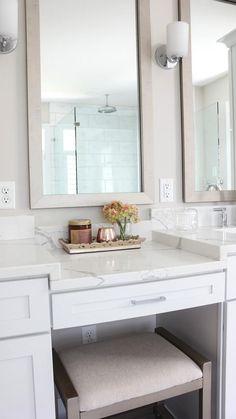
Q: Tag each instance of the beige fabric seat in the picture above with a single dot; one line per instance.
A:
(113, 376)
(109, 372)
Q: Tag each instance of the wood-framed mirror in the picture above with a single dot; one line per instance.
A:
(208, 101)
(89, 102)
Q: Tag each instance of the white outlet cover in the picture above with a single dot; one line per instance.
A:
(89, 334)
(7, 195)
(166, 187)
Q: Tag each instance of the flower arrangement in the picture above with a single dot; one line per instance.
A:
(122, 214)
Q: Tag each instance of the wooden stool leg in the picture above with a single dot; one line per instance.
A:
(205, 393)
(156, 411)
(161, 412)
(200, 403)
(72, 409)
(65, 388)
(56, 408)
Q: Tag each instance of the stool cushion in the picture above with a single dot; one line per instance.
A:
(108, 372)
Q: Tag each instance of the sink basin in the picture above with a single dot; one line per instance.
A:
(231, 229)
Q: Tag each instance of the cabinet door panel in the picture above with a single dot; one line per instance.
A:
(230, 361)
(24, 307)
(26, 379)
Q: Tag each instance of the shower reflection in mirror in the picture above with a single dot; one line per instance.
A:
(87, 148)
(213, 73)
(213, 140)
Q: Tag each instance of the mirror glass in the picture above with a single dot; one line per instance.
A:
(213, 42)
(89, 96)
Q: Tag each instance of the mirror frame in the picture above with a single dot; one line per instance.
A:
(144, 54)
(189, 192)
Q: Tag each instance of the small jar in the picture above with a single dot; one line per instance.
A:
(80, 231)
(106, 234)
(186, 219)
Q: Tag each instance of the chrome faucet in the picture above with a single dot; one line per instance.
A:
(222, 216)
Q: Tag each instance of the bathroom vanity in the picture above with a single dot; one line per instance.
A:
(43, 291)
(220, 244)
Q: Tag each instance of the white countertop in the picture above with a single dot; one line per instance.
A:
(154, 261)
(207, 241)
(26, 258)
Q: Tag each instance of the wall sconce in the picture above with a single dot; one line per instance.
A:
(167, 56)
(8, 25)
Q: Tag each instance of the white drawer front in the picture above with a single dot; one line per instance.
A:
(231, 278)
(117, 303)
(24, 307)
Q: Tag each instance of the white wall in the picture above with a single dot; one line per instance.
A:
(13, 121)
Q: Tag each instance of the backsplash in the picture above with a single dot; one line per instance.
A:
(165, 218)
(160, 219)
(49, 235)
(17, 227)
(23, 227)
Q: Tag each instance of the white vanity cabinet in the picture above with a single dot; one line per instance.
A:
(26, 375)
(29, 308)
(229, 406)
(230, 361)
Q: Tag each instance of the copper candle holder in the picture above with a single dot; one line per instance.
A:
(106, 234)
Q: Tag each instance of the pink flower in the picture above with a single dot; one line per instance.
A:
(117, 211)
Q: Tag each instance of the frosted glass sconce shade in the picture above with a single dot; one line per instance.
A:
(167, 56)
(8, 25)
(177, 39)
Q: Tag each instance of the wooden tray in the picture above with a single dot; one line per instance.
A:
(96, 247)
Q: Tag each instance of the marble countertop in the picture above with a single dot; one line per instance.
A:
(215, 243)
(154, 261)
(26, 258)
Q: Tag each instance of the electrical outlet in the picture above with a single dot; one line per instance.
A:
(166, 190)
(7, 195)
(89, 334)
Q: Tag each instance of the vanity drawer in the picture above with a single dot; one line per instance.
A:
(231, 278)
(122, 302)
(24, 307)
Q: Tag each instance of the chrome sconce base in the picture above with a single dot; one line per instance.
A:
(7, 44)
(163, 61)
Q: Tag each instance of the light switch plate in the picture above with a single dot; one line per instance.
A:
(166, 187)
(7, 195)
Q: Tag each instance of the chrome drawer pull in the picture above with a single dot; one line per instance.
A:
(150, 300)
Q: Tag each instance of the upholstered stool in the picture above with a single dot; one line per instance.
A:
(110, 377)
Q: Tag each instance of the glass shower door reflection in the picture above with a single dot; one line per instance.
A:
(59, 157)
(213, 148)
